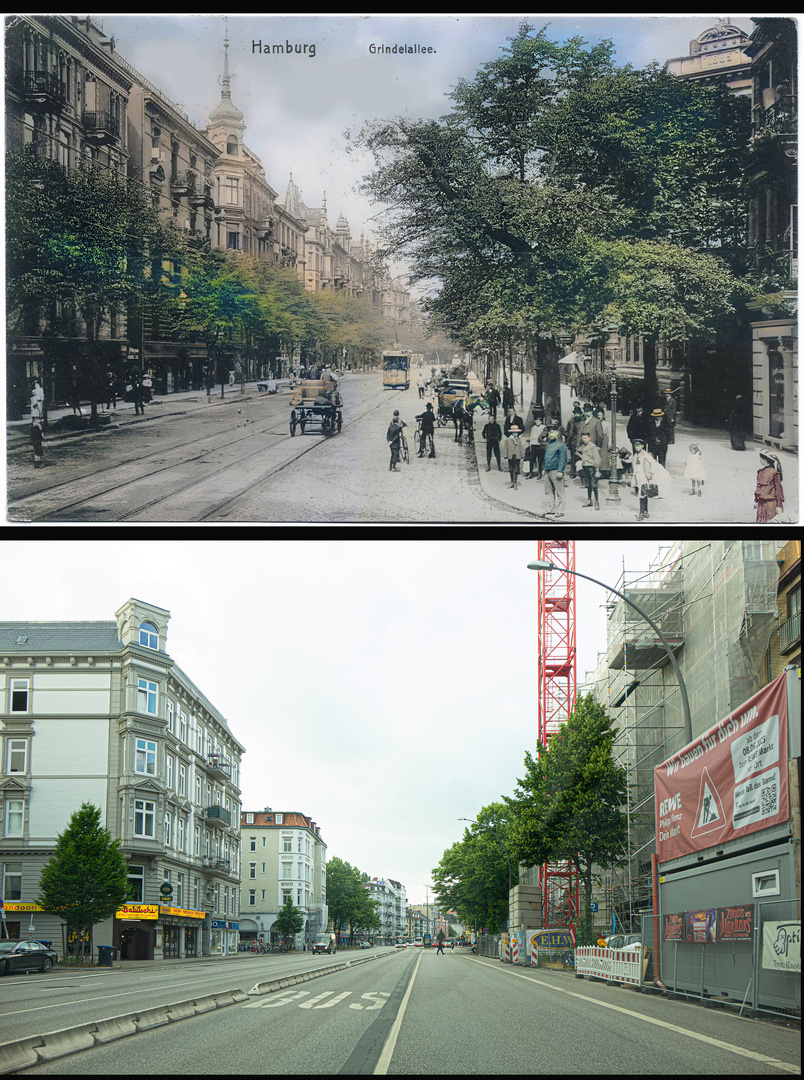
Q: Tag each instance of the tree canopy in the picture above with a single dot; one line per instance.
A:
(348, 901)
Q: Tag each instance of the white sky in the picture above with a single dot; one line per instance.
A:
(384, 688)
(296, 107)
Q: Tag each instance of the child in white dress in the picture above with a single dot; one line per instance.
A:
(695, 471)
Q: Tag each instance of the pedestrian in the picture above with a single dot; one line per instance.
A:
(440, 946)
(492, 433)
(36, 441)
(139, 396)
(637, 427)
(231, 377)
(670, 407)
(592, 425)
(147, 387)
(574, 380)
(37, 400)
(605, 446)
(508, 396)
(737, 424)
(513, 451)
(538, 442)
(768, 494)
(492, 400)
(555, 464)
(572, 434)
(695, 471)
(658, 439)
(625, 466)
(420, 385)
(647, 476)
(426, 428)
(511, 418)
(589, 457)
(393, 436)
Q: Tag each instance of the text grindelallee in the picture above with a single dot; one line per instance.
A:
(283, 50)
(373, 49)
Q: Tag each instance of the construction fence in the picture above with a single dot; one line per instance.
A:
(761, 971)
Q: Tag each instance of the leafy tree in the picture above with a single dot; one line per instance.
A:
(86, 879)
(289, 920)
(569, 806)
(349, 903)
(472, 877)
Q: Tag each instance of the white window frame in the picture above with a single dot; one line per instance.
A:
(168, 828)
(169, 770)
(170, 722)
(183, 726)
(14, 749)
(143, 748)
(10, 875)
(197, 840)
(145, 809)
(151, 635)
(19, 686)
(252, 870)
(252, 898)
(147, 695)
(765, 883)
(182, 778)
(180, 834)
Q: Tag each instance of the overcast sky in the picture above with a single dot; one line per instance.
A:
(383, 688)
(296, 106)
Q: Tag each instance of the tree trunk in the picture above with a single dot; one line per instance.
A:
(548, 354)
(651, 388)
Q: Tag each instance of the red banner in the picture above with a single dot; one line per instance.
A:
(730, 781)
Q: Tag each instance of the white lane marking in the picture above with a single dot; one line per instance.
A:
(105, 997)
(319, 997)
(335, 1000)
(274, 1002)
(390, 1043)
(372, 996)
(786, 1066)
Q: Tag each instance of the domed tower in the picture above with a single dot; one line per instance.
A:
(225, 128)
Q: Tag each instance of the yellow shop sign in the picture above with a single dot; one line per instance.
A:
(137, 911)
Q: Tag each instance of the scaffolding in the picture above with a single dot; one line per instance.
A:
(715, 601)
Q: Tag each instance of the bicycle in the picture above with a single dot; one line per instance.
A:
(425, 442)
(403, 449)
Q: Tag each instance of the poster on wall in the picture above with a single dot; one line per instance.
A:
(781, 946)
(735, 923)
(730, 781)
(700, 926)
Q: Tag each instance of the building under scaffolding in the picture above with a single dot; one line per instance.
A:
(715, 602)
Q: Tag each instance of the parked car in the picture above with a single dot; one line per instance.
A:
(26, 956)
(325, 942)
(624, 942)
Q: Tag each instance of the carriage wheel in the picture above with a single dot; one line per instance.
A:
(301, 425)
(293, 422)
(340, 420)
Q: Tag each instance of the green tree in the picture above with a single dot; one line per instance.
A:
(86, 879)
(348, 902)
(289, 920)
(570, 804)
(472, 877)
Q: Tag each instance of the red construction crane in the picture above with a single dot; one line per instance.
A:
(558, 687)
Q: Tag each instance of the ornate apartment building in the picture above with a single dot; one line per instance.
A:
(100, 712)
(284, 858)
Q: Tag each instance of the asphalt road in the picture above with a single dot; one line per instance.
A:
(237, 462)
(419, 1012)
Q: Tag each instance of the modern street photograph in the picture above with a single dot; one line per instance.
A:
(368, 270)
(358, 857)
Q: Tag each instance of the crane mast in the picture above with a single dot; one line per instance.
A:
(558, 687)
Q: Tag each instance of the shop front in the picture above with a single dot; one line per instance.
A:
(223, 938)
(156, 932)
(180, 933)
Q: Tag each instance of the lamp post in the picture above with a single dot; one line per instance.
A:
(681, 685)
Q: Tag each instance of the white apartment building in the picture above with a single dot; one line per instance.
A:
(284, 858)
(391, 899)
(99, 712)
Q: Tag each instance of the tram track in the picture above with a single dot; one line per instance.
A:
(115, 484)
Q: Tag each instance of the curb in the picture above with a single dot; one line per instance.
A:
(34, 1049)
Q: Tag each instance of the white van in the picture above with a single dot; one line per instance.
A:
(325, 942)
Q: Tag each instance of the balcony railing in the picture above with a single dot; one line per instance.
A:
(217, 815)
(101, 125)
(790, 632)
(44, 86)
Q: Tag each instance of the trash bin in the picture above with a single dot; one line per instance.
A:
(106, 953)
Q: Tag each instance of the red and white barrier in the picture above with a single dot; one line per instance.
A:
(609, 964)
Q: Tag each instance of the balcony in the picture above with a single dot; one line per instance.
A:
(217, 815)
(101, 126)
(790, 633)
(218, 765)
(43, 90)
(215, 866)
(183, 183)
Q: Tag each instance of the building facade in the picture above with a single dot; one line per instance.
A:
(284, 858)
(100, 712)
(717, 604)
(716, 57)
(390, 897)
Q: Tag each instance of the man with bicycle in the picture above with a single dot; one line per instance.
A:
(394, 437)
(426, 430)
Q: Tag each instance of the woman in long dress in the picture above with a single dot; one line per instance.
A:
(768, 494)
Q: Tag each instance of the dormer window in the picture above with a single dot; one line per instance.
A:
(149, 636)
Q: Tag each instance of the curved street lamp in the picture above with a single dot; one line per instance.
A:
(543, 565)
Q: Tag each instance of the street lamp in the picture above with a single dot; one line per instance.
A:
(543, 565)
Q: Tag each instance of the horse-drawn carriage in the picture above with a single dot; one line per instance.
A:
(457, 402)
(316, 403)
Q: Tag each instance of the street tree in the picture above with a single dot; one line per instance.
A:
(289, 920)
(472, 876)
(86, 879)
(348, 901)
(570, 805)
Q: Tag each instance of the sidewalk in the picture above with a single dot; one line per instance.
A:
(18, 431)
(728, 494)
